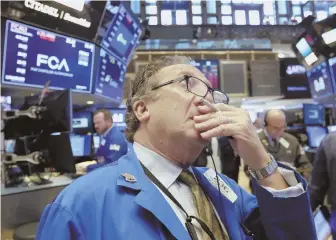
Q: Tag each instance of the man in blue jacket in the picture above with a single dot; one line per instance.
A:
(112, 144)
(154, 193)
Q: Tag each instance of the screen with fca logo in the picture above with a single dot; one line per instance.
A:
(320, 81)
(34, 56)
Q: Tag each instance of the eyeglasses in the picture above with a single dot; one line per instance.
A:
(199, 88)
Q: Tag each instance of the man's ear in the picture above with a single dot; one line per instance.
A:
(140, 110)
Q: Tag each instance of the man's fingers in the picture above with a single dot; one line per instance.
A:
(222, 130)
(208, 116)
(220, 107)
(213, 122)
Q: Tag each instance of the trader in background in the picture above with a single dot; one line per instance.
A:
(324, 177)
(112, 145)
(283, 146)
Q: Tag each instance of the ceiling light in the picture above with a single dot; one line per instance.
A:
(90, 102)
(281, 55)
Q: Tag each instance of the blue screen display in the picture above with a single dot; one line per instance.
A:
(34, 56)
(313, 114)
(81, 145)
(110, 76)
(315, 135)
(119, 117)
(123, 34)
(82, 122)
(320, 82)
(332, 66)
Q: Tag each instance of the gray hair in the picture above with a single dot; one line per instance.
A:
(141, 87)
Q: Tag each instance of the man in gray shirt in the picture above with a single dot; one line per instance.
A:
(324, 177)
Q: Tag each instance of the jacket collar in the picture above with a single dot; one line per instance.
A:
(149, 196)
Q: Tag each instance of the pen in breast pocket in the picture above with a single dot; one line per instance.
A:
(213, 108)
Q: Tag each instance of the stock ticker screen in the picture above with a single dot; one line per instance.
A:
(110, 76)
(210, 70)
(33, 56)
(320, 82)
(123, 34)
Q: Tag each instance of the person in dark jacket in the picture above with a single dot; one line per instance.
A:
(230, 161)
(323, 179)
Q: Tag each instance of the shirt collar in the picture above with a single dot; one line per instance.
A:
(163, 169)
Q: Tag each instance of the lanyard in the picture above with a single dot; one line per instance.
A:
(189, 225)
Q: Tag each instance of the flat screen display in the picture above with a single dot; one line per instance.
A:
(110, 76)
(119, 117)
(293, 81)
(320, 82)
(314, 114)
(210, 70)
(332, 67)
(111, 9)
(82, 122)
(315, 135)
(81, 145)
(123, 34)
(34, 56)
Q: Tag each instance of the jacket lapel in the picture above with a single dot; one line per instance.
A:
(224, 207)
(149, 196)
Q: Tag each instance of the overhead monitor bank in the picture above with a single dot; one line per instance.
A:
(34, 56)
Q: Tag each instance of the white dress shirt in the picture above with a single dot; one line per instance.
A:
(167, 173)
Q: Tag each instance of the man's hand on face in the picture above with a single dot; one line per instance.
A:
(235, 122)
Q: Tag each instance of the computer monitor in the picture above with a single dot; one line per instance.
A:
(81, 145)
(313, 114)
(60, 153)
(82, 122)
(332, 67)
(315, 135)
(331, 129)
(123, 34)
(56, 118)
(322, 226)
(320, 82)
(33, 56)
(110, 78)
(119, 117)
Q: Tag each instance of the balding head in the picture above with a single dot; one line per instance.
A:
(276, 123)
